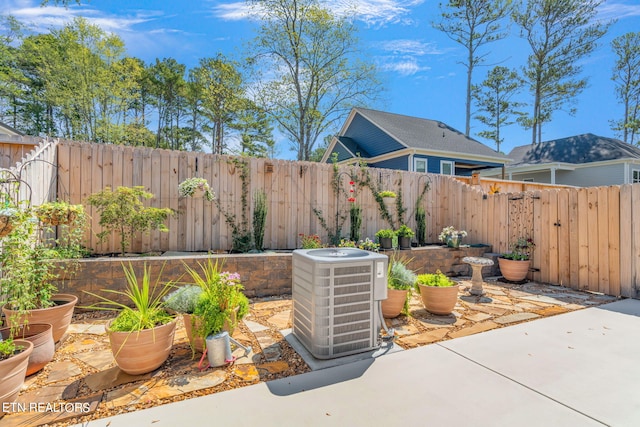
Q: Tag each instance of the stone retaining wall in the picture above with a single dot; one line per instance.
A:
(262, 275)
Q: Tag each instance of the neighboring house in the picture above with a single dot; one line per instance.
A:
(394, 141)
(584, 160)
(5, 129)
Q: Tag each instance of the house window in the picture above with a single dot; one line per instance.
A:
(635, 176)
(446, 167)
(420, 165)
(527, 179)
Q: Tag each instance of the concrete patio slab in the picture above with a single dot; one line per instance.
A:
(573, 369)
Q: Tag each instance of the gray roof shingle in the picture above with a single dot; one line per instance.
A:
(428, 134)
(584, 148)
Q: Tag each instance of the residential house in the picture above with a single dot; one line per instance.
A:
(583, 160)
(394, 141)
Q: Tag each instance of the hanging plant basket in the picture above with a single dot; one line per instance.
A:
(5, 225)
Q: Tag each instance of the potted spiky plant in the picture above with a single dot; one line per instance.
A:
(141, 336)
(400, 282)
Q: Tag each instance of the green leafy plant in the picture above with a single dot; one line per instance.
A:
(385, 233)
(345, 243)
(222, 299)
(310, 241)
(368, 245)
(355, 214)
(387, 193)
(71, 221)
(27, 269)
(421, 225)
(145, 294)
(438, 279)
(184, 299)
(399, 277)
(122, 211)
(259, 218)
(521, 250)
(7, 348)
(188, 187)
(56, 213)
(405, 231)
(240, 232)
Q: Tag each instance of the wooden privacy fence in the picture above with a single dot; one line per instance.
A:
(587, 238)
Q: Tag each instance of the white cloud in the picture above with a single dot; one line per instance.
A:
(42, 19)
(405, 65)
(371, 12)
(410, 47)
(613, 10)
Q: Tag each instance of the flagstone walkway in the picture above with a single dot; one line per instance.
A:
(82, 382)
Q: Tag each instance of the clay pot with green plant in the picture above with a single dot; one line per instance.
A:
(220, 304)
(385, 237)
(400, 283)
(41, 336)
(438, 292)
(141, 336)
(514, 265)
(14, 359)
(123, 212)
(29, 296)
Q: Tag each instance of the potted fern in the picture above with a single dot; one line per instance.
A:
(141, 336)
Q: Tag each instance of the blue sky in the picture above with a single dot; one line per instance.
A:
(418, 65)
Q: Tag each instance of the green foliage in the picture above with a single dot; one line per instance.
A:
(71, 221)
(260, 210)
(122, 211)
(521, 250)
(335, 231)
(241, 234)
(399, 276)
(7, 348)
(344, 243)
(405, 231)
(318, 74)
(493, 98)
(355, 214)
(27, 270)
(368, 245)
(386, 233)
(145, 294)
(421, 225)
(184, 299)
(560, 34)
(387, 193)
(438, 279)
(626, 75)
(189, 186)
(473, 24)
(222, 298)
(310, 241)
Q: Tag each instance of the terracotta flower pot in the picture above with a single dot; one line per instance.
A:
(439, 299)
(59, 316)
(513, 270)
(392, 306)
(140, 352)
(41, 335)
(191, 323)
(12, 373)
